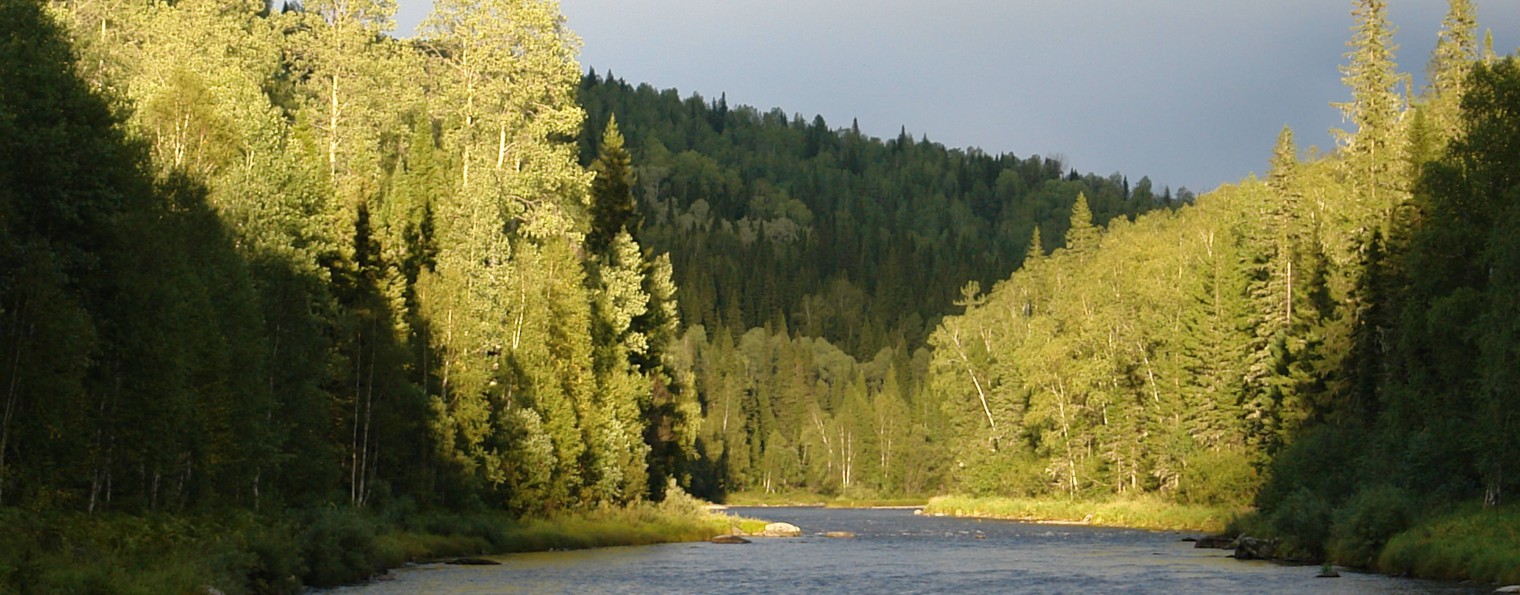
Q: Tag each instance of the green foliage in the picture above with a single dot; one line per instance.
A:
(1218, 478)
(112, 553)
(1366, 521)
(770, 218)
(247, 268)
(1303, 519)
(1328, 343)
(288, 265)
(1470, 542)
(337, 547)
(613, 208)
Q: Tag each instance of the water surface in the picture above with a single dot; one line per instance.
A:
(895, 551)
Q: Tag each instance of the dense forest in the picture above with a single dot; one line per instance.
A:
(813, 263)
(261, 263)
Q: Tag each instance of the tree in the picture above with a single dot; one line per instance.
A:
(1081, 234)
(613, 209)
(507, 82)
(1373, 150)
(1453, 58)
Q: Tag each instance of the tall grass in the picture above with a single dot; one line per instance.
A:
(1470, 543)
(1139, 513)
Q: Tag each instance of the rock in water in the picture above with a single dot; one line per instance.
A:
(1251, 548)
(729, 539)
(839, 534)
(781, 530)
(1213, 541)
(473, 562)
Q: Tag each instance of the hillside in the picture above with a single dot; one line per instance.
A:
(813, 262)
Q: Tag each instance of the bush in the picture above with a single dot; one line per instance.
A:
(1303, 521)
(339, 547)
(1365, 523)
(1219, 478)
(273, 563)
(1321, 460)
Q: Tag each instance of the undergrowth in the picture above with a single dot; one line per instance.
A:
(245, 553)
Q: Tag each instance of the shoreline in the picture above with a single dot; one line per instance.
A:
(300, 550)
(1149, 514)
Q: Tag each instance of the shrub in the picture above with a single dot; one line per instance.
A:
(1321, 460)
(1303, 521)
(1367, 521)
(339, 547)
(273, 563)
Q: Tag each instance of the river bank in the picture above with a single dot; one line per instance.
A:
(1134, 513)
(245, 553)
(1468, 542)
(805, 499)
(1471, 543)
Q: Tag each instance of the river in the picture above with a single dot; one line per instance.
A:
(895, 551)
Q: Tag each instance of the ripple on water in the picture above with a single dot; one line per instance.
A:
(895, 551)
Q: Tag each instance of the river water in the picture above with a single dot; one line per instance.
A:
(895, 551)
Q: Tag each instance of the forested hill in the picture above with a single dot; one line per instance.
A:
(1337, 342)
(813, 262)
(775, 220)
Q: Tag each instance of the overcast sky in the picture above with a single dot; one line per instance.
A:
(1189, 92)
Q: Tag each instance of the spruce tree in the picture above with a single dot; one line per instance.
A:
(1081, 235)
(1373, 150)
(1455, 54)
(613, 208)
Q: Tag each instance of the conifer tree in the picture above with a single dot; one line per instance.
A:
(1373, 150)
(1081, 235)
(1453, 58)
(613, 209)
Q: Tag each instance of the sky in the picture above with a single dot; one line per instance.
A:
(1191, 93)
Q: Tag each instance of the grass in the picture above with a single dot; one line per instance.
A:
(1138, 513)
(1471, 543)
(240, 553)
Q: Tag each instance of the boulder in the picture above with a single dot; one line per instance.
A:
(729, 539)
(839, 535)
(1251, 548)
(781, 530)
(1508, 589)
(1218, 542)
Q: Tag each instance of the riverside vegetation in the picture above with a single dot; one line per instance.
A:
(292, 298)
